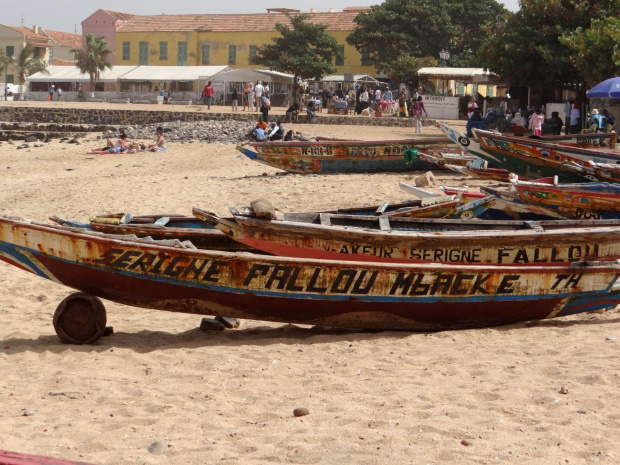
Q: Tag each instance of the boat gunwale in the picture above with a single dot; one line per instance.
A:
(89, 237)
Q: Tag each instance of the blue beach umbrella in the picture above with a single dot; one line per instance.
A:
(609, 88)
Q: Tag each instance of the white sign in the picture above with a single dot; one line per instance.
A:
(440, 107)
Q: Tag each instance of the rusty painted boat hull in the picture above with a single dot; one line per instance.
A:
(597, 171)
(490, 174)
(380, 296)
(579, 201)
(341, 237)
(344, 156)
(15, 458)
(529, 158)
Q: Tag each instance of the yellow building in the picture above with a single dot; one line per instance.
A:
(229, 39)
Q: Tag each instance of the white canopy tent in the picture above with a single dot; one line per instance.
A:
(245, 75)
(280, 84)
(354, 78)
(178, 78)
(73, 74)
(479, 75)
(172, 73)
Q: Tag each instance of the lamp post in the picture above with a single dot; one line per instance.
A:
(445, 56)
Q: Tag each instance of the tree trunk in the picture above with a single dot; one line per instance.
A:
(294, 87)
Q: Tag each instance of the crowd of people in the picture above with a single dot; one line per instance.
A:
(533, 120)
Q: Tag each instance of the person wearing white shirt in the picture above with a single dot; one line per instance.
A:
(258, 94)
(364, 99)
(277, 132)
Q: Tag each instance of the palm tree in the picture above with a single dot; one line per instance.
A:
(92, 58)
(26, 64)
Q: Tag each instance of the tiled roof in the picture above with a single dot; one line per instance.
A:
(65, 39)
(118, 15)
(29, 33)
(338, 21)
(39, 43)
(59, 62)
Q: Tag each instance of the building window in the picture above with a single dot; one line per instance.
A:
(126, 49)
(365, 59)
(253, 51)
(51, 56)
(143, 54)
(206, 54)
(460, 88)
(10, 50)
(182, 56)
(232, 54)
(10, 79)
(340, 59)
(491, 91)
(163, 50)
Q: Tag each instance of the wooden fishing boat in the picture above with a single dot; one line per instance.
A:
(204, 236)
(596, 171)
(490, 174)
(158, 227)
(344, 156)
(15, 458)
(591, 201)
(442, 158)
(493, 205)
(405, 240)
(379, 296)
(528, 158)
(511, 206)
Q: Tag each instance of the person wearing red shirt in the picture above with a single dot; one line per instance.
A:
(207, 94)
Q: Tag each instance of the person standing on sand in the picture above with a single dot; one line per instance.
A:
(536, 122)
(417, 115)
(252, 100)
(575, 118)
(258, 94)
(207, 93)
(568, 106)
(235, 98)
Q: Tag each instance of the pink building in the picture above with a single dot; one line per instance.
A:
(103, 23)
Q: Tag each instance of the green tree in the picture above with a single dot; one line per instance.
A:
(303, 49)
(401, 36)
(536, 46)
(595, 51)
(26, 63)
(92, 59)
(4, 60)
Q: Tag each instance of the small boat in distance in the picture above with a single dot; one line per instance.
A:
(340, 156)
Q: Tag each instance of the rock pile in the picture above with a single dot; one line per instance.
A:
(225, 131)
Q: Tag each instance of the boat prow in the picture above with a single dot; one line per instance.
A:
(251, 154)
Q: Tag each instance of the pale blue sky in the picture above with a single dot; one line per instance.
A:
(67, 15)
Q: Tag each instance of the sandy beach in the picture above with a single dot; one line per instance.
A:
(537, 393)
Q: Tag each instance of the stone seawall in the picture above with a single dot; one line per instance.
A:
(81, 120)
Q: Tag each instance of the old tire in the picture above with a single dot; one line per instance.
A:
(80, 319)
